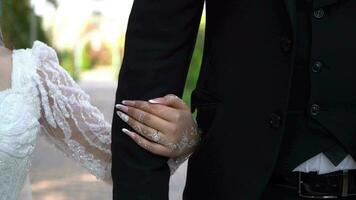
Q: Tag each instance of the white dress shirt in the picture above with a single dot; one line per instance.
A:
(322, 165)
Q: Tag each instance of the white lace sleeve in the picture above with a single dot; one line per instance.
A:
(68, 119)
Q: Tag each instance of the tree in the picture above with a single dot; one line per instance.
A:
(17, 18)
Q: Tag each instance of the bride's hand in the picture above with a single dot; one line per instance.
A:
(163, 126)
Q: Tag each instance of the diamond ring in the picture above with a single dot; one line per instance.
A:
(156, 136)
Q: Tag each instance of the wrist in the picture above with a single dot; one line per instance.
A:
(175, 162)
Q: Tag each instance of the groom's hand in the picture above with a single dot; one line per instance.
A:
(163, 126)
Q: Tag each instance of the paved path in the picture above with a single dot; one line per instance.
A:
(55, 177)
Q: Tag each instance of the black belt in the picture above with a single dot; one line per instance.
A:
(336, 185)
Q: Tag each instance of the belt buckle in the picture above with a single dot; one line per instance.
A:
(345, 184)
(300, 193)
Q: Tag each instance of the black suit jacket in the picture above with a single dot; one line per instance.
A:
(242, 92)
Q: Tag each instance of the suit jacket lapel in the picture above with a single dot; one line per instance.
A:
(292, 12)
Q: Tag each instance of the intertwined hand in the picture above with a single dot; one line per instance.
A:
(163, 126)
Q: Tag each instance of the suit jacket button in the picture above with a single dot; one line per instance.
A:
(275, 120)
(317, 66)
(315, 109)
(319, 13)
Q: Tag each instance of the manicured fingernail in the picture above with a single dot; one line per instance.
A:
(123, 116)
(156, 101)
(122, 108)
(153, 102)
(127, 132)
(173, 96)
(128, 103)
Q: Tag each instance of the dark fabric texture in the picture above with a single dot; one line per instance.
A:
(302, 141)
(283, 193)
(286, 186)
(304, 137)
(159, 43)
(243, 90)
(280, 193)
(300, 86)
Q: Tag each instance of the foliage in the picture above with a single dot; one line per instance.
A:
(16, 19)
(85, 59)
(66, 58)
(194, 68)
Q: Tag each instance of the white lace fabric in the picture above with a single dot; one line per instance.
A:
(44, 99)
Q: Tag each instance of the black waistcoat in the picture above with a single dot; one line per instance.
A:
(300, 87)
(304, 136)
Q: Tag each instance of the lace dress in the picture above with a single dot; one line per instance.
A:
(43, 99)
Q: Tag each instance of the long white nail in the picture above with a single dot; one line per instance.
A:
(122, 108)
(128, 103)
(127, 132)
(123, 116)
(153, 102)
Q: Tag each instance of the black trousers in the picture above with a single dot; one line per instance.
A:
(275, 192)
(281, 193)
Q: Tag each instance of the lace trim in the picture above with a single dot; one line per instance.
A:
(60, 112)
(63, 101)
(88, 160)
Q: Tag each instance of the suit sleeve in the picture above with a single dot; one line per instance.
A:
(160, 40)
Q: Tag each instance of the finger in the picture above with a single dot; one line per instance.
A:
(162, 111)
(147, 118)
(145, 131)
(148, 145)
(170, 100)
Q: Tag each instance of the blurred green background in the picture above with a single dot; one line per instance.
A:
(96, 69)
(21, 26)
(19, 23)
